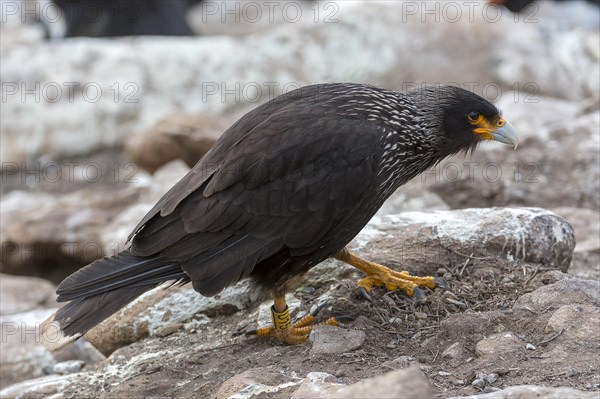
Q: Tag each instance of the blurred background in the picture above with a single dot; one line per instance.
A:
(106, 104)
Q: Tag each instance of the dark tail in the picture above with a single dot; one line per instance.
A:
(100, 289)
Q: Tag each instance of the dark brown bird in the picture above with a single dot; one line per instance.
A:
(284, 188)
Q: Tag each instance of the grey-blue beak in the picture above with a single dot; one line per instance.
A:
(507, 135)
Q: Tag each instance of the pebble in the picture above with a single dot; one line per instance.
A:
(460, 382)
(588, 386)
(441, 271)
(334, 340)
(420, 315)
(444, 373)
(453, 351)
(168, 329)
(68, 367)
(531, 347)
(491, 378)
(478, 383)
(490, 389)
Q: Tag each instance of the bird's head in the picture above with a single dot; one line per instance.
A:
(459, 120)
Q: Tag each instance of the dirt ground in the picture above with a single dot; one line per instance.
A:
(399, 331)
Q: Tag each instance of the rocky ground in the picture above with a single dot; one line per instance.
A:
(516, 234)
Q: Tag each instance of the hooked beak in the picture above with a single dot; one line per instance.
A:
(507, 135)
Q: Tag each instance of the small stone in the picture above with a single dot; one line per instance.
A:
(491, 378)
(398, 363)
(495, 344)
(334, 340)
(490, 389)
(168, 329)
(588, 386)
(420, 315)
(530, 347)
(459, 382)
(453, 351)
(441, 271)
(323, 383)
(395, 384)
(238, 383)
(444, 373)
(68, 367)
(478, 383)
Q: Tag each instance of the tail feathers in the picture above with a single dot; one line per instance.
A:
(100, 289)
(79, 316)
(124, 269)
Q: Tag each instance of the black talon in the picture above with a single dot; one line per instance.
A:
(419, 295)
(363, 292)
(440, 282)
(343, 319)
(246, 333)
(318, 309)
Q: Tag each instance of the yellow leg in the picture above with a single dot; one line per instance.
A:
(381, 276)
(285, 331)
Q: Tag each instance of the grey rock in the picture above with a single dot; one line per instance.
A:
(399, 363)
(68, 367)
(478, 383)
(527, 234)
(576, 323)
(168, 329)
(329, 340)
(564, 292)
(409, 383)
(491, 378)
(21, 357)
(317, 385)
(498, 344)
(453, 351)
(533, 391)
(21, 294)
(44, 387)
(255, 381)
(159, 308)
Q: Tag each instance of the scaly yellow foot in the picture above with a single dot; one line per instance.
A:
(285, 331)
(381, 276)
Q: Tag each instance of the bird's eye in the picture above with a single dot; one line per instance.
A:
(474, 116)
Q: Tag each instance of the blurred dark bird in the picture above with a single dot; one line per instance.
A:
(286, 187)
(520, 5)
(109, 18)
